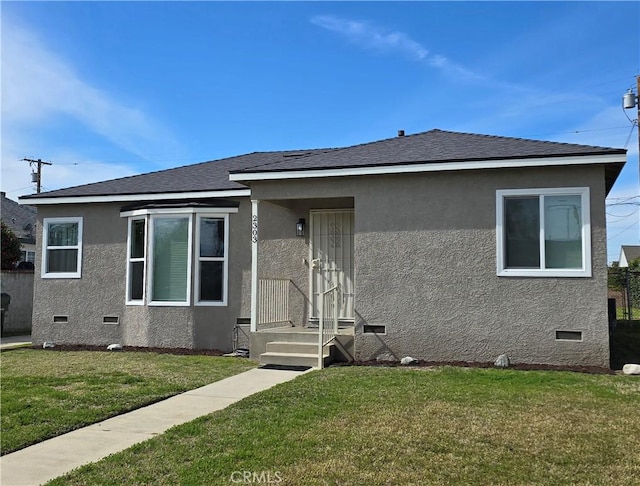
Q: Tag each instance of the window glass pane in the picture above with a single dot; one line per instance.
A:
(522, 232)
(170, 259)
(63, 234)
(136, 274)
(211, 275)
(137, 238)
(62, 261)
(211, 237)
(563, 231)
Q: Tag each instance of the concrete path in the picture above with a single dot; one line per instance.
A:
(52, 458)
(10, 342)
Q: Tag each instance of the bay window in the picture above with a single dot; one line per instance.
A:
(543, 232)
(164, 248)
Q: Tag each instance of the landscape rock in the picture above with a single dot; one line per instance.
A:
(631, 369)
(407, 360)
(502, 361)
(386, 357)
(48, 345)
(114, 347)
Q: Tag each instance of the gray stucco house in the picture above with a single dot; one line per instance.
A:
(442, 246)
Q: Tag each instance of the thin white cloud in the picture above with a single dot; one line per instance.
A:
(38, 86)
(371, 37)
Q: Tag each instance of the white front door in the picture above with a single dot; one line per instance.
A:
(332, 249)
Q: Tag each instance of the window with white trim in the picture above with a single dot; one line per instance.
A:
(61, 247)
(543, 232)
(28, 256)
(170, 259)
(136, 258)
(162, 251)
(212, 268)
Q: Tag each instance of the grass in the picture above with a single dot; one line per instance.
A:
(48, 393)
(397, 426)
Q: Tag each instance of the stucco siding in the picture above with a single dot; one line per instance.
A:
(101, 290)
(425, 268)
(98, 293)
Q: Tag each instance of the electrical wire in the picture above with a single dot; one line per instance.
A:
(623, 231)
(620, 216)
(633, 125)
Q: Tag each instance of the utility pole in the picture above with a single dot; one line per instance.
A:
(632, 100)
(38, 174)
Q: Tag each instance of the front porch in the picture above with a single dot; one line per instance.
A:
(302, 308)
(298, 346)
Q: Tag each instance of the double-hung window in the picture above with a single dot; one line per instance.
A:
(212, 268)
(61, 247)
(543, 232)
(166, 247)
(136, 257)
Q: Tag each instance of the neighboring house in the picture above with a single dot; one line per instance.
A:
(443, 246)
(20, 219)
(628, 253)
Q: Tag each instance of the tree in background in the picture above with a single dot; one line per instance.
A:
(10, 248)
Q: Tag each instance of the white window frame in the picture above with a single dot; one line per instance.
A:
(29, 256)
(193, 284)
(45, 248)
(585, 199)
(170, 215)
(224, 259)
(131, 260)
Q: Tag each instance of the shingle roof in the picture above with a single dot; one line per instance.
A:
(205, 176)
(432, 146)
(20, 219)
(426, 147)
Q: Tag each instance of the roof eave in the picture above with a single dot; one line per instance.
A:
(440, 166)
(36, 200)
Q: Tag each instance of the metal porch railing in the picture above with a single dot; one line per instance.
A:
(273, 301)
(329, 310)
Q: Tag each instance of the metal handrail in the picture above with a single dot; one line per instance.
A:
(327, 334)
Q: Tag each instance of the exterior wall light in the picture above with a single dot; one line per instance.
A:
(300, 227)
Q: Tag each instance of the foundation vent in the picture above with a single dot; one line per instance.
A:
(374, 329)
(568, 335)
(60, 319)
(111, 320)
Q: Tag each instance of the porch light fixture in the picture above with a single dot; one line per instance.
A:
(300, 227)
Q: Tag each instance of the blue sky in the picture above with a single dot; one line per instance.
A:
(109, 89)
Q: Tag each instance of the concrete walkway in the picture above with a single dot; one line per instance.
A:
(52, 458)
(10, 342)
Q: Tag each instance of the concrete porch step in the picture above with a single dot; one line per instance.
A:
(294, 354)
(291, 359)
(295, 347)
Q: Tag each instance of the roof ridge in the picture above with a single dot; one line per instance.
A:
(550, 142)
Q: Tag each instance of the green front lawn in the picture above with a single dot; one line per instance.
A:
(48, 393)
(395, 426)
